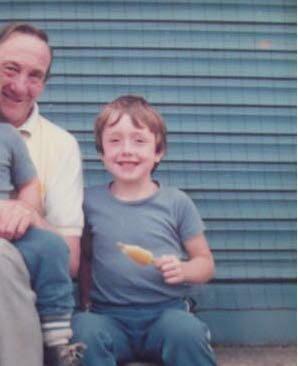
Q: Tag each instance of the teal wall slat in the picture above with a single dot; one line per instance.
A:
(167, 11)
(223, 75)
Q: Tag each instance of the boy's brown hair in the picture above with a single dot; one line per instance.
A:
(141, 114)
(26, 28)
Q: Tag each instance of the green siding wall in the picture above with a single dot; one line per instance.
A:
(223, 74)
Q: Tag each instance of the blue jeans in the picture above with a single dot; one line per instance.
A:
(163, 333)
(47, 258)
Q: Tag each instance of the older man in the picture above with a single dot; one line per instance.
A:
(25, 61)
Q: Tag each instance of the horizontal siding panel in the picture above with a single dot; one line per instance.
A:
(251, 240)
(219, 11)
(256, 265)
(200, 64)
(249, 296)
(172, 36)
(190, 91)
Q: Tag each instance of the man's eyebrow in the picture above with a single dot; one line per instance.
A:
(38, 72)
(10, 63)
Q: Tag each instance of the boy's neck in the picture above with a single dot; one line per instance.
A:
(132, 192)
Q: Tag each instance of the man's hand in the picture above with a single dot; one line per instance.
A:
(15, 219)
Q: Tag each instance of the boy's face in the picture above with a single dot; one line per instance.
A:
(24, 61)
(129, 152)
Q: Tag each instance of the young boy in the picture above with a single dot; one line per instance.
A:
(45, 253)
(138, 312)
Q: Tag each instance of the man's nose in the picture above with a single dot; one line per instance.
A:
(20, 84)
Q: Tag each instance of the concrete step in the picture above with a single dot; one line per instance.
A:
(250, 356)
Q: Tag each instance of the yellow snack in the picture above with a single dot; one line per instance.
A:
(136, 253)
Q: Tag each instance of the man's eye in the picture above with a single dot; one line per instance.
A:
(10, 68)
(114, 140)
(36, 77)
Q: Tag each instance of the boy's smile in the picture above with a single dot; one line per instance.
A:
(129, 151)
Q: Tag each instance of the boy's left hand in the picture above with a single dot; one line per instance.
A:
(171, 268)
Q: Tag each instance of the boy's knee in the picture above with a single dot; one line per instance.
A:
(85, 330)
(54, 244)
(187, 328)
(46, 243)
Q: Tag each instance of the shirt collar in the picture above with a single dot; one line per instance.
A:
(30, 124)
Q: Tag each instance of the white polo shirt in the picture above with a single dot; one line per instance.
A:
(56, 156)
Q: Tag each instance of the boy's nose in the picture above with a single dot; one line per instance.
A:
(126, 147)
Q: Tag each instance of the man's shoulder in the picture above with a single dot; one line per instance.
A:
(55, 132)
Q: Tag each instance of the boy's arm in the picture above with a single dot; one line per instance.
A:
(198, 269)
(85, 271)
(30, 193)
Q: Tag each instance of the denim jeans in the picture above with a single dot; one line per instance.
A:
(46, 256)
(163, 333)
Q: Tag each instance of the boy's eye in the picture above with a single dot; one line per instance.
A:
(140, 140)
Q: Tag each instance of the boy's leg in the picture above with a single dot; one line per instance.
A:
(20, 340)
(179, 338)
(105, 340)
(47, 258)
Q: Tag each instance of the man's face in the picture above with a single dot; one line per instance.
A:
(24, 61)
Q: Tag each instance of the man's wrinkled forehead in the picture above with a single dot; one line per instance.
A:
(21, 47)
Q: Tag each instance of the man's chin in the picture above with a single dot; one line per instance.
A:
(14, 119)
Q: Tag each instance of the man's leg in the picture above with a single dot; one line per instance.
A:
(21, 339)
(179, 338)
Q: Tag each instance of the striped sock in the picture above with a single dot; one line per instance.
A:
(56, 329)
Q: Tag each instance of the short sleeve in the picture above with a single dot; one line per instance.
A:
(22, 168)
(189, 220)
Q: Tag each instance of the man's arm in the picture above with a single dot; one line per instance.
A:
(85, 271)
(17, 216)
(30, 193)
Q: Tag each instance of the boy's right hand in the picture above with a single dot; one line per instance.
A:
(171, 267)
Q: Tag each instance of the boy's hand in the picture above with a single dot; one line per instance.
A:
(171, 268)
(15, 219)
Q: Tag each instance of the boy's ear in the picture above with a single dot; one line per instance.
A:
(159, 155)
(99, 152)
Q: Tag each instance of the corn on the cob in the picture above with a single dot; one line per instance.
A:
(136, 253)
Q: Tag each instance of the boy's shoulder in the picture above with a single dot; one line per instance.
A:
(92, 192)
(8, 129)
(9, 134)
(173, 192)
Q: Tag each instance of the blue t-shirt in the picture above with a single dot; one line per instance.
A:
(16, 167)
(160, 223)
